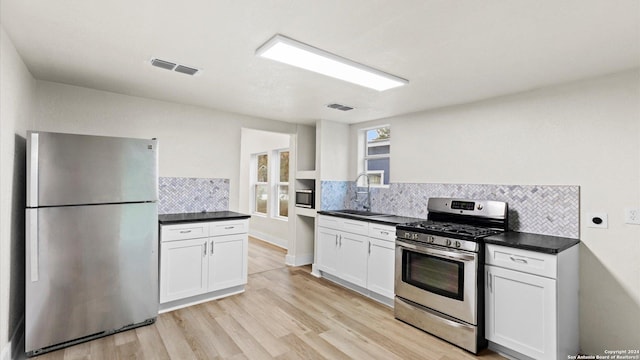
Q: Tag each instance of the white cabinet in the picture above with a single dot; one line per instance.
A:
(227, 261)
(531, 302)
(381, 262)
(183, 269)
(357, 253)
(352, 258)
(342, 253)
(198, 261)
(327, 250)
(522, 311)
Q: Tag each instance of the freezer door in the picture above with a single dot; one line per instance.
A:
(89, 269)
(69, 169)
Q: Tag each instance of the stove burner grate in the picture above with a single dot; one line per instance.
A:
(449, 228)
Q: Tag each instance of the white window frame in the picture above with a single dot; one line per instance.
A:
(275, 188)
(363, 146)
(255, 182)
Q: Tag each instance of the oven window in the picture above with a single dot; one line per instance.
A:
(440, 276)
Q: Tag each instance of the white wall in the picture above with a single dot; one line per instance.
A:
(194, 141)
(332, 145)
(17, 90)
(585, 133)
(263, 227)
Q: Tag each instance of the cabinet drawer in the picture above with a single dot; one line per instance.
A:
(331, 222)
(522, 260)
(184, 231)
(355, 226)
(383, 232)
(228, 227)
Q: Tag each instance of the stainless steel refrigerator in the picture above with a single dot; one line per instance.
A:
(91, 237)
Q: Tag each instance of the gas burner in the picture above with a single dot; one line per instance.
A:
(449, 229)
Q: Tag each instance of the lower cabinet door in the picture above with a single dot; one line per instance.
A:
(352, 258)
(521, 312)
(184, 266)
(227, 261)
(326, 248)
(381, 267)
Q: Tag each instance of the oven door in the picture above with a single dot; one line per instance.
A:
(438, 278)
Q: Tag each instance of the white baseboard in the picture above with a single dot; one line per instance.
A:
(299, 260)
(6, 352)
(270, 239)
(507, 353)
(13, 349)
(315, 272)
(199, 299)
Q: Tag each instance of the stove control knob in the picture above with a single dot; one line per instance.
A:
(480, 207)
(457, 244)
(448, 242)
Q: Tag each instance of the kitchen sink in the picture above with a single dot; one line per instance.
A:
(360, 213)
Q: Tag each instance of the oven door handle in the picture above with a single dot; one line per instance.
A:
(447, 254)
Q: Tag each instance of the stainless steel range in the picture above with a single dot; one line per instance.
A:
(439, 263)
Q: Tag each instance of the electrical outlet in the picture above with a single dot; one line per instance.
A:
(597, 220)
(632, 216)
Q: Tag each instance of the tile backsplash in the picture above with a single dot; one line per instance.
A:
(540, 209)
(187, 195)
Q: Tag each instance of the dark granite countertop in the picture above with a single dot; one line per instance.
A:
(534, 242)
(385, 219)
(166, 219)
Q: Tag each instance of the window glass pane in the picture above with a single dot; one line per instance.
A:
(378, 145)
(376, 135)
(262, 196)
(378, 150)
(376, 178)
(378, 166)
(263, 168)
(284, 166)
(283, 200)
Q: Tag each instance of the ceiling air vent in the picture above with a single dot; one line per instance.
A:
(340, 107)
(185, 70)
(167, 65)
(163, 64)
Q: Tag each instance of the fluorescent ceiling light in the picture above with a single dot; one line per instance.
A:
(292, 52)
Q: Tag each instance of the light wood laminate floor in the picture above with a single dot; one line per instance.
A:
(285, 313)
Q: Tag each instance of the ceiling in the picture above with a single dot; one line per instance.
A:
(451, 51)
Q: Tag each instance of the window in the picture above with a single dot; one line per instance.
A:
(270, 184)
(282, 183)
(261, 184)
(375, 158)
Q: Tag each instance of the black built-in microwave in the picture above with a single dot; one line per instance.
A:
(305, 199)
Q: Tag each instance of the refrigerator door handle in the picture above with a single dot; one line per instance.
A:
(32, 235)
(32, 170)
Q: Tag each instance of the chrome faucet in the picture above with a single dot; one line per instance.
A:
(367, 206)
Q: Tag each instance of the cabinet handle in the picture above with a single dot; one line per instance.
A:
(185, 231)
(211, 247)
(518, 260)
(369, 247)
(340, 240)
(336, 240)
(489, 280)
(384, 232)
(205, 249)
(228, 227)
